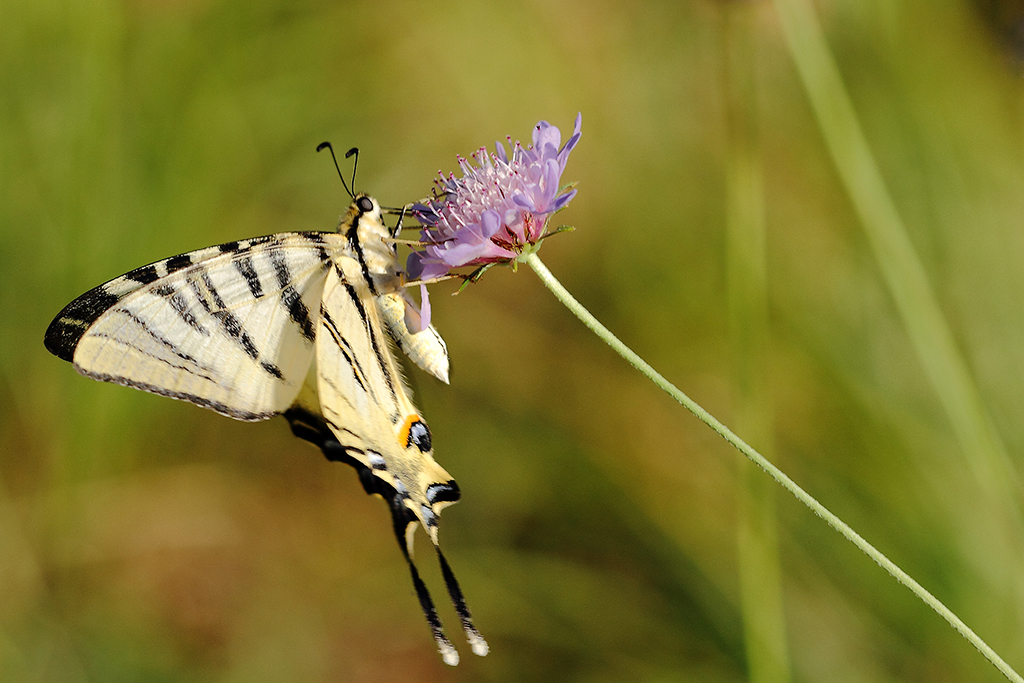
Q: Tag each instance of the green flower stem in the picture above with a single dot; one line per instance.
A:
(570, 302)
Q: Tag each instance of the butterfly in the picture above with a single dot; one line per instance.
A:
(298, 324)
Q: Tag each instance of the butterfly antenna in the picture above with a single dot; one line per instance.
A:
(327, 145)
(355, 163)
(476, 641)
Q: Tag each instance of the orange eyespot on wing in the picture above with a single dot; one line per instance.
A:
(415, 432)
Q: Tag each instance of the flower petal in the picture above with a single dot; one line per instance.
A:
(498, 207)
(563, 199)
(545, 135)
(417, 319)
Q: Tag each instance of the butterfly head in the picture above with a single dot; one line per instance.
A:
(364, 216)
(364, 227)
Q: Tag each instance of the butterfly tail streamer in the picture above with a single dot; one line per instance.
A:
(476, 641)
(312, 429)
(402, 519)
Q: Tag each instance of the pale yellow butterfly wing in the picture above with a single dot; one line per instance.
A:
(230, 327)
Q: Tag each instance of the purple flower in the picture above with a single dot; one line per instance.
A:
(498, 210)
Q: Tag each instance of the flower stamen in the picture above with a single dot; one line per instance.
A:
(498, 210)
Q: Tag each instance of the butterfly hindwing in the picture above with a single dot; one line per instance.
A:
(392, 446)
(355, 369)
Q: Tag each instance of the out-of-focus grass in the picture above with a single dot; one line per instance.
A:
(746, 259)
(144, 539)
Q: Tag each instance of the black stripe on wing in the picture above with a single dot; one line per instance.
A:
(358, 374)
(71, 323)
(65, 331)
(216, 406)
(252, 278)
(376, 344)
(290, 297)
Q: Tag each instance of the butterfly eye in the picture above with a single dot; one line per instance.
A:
(365, 204)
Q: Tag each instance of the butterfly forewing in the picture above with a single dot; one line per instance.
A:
(232, 328)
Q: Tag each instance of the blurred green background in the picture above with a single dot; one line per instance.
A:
(604, 534)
